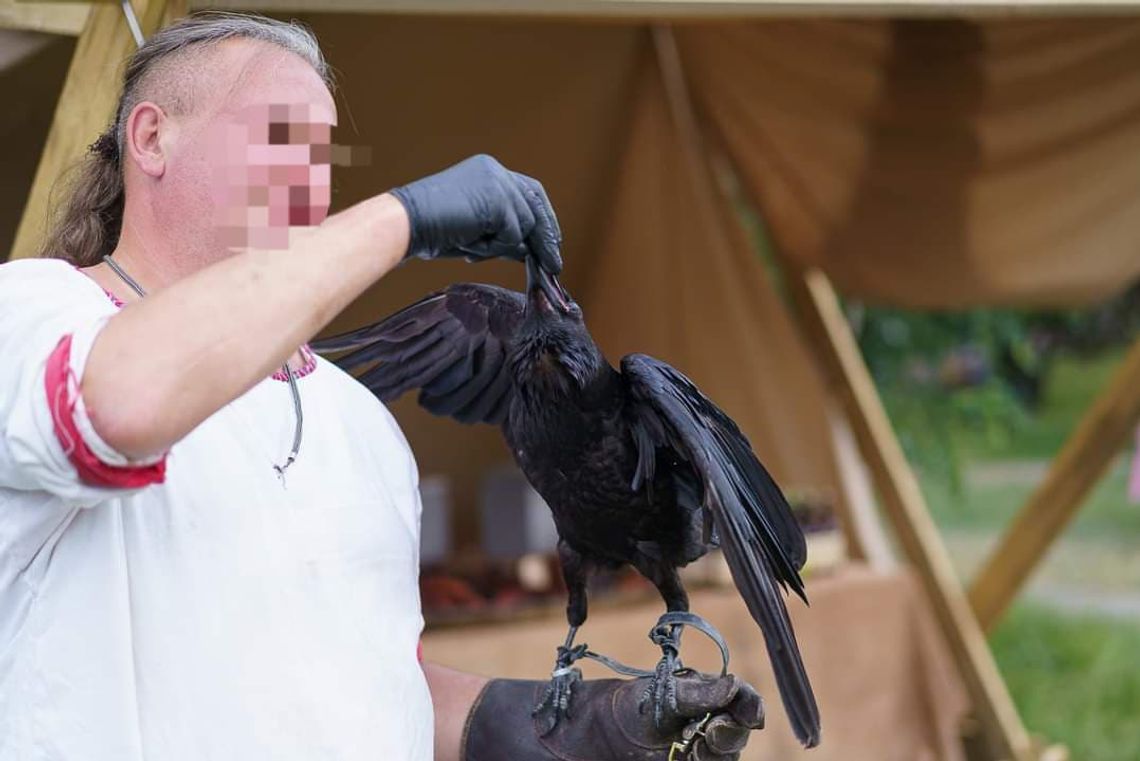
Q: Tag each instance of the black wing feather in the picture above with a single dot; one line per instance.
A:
(452, 345)
(389, 380)
(455, 376)
(762, 542)
(457, 400)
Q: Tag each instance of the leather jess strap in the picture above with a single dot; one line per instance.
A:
(667, 621)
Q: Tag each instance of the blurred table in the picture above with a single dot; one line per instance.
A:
(885, 682)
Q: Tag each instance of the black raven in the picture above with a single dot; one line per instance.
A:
(636, 464)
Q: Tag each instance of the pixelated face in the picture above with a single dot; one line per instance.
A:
(249, 165)
(274, 173)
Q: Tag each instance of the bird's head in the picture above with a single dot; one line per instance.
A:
(553, 347)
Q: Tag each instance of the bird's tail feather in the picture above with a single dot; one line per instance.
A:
(766, 604)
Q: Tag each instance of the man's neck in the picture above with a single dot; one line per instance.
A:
(151, 273)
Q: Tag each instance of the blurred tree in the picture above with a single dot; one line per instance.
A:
(980, 371)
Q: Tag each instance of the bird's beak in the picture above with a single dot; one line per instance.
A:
(539, 281)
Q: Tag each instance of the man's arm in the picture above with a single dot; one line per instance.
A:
(453, 693)
(166, 363)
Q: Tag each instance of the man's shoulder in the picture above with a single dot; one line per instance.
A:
(38, 271)
(38, 277)
(36, 289)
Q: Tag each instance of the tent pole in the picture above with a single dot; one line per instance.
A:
(1087, 453)
(85, 104)
(839, 355)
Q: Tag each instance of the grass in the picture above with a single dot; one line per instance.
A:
(1075, 680)
(990, 505)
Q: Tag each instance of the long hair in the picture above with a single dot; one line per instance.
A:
(87, 222)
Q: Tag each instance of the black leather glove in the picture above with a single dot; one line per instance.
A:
(608, 723)
(479, 209)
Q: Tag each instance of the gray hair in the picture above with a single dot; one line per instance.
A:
(88, 222)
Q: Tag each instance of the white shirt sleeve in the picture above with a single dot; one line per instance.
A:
(50, 315)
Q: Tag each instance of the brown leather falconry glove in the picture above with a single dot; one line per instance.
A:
(608, 723)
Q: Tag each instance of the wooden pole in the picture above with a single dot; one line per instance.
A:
(84, 110)
(1087, 453)
(1004, 735)
(905, 507)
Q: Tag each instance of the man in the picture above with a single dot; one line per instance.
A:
(187, 571)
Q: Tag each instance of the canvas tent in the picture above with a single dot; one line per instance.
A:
(904, 153)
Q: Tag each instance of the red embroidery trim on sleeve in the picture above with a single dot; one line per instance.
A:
(92, 470)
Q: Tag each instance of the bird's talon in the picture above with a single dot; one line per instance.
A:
(662, 688)
(555, 703)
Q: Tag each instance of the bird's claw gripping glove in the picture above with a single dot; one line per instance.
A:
(478, 209)
(714, 718)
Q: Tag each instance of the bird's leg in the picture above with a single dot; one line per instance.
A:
(661, 691)
(555, 701)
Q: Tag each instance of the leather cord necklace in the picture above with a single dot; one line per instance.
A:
(289, 375)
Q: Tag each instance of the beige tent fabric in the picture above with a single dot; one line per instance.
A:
(883, 677)
(675, 280)
(937, 163)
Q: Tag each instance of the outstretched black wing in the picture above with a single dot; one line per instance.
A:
(452, 345)
(762, 542)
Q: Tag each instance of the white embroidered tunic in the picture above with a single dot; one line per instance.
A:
(195, 609)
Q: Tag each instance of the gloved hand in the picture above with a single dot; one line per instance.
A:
(608, 723)
(479, 209)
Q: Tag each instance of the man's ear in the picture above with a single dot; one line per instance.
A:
(145, 144)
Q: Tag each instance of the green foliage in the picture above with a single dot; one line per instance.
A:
(981, 436)
(989, 383)
(936, 373)
(933, 425)
(1071, 386)
(891, 338)
(1075, 680)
